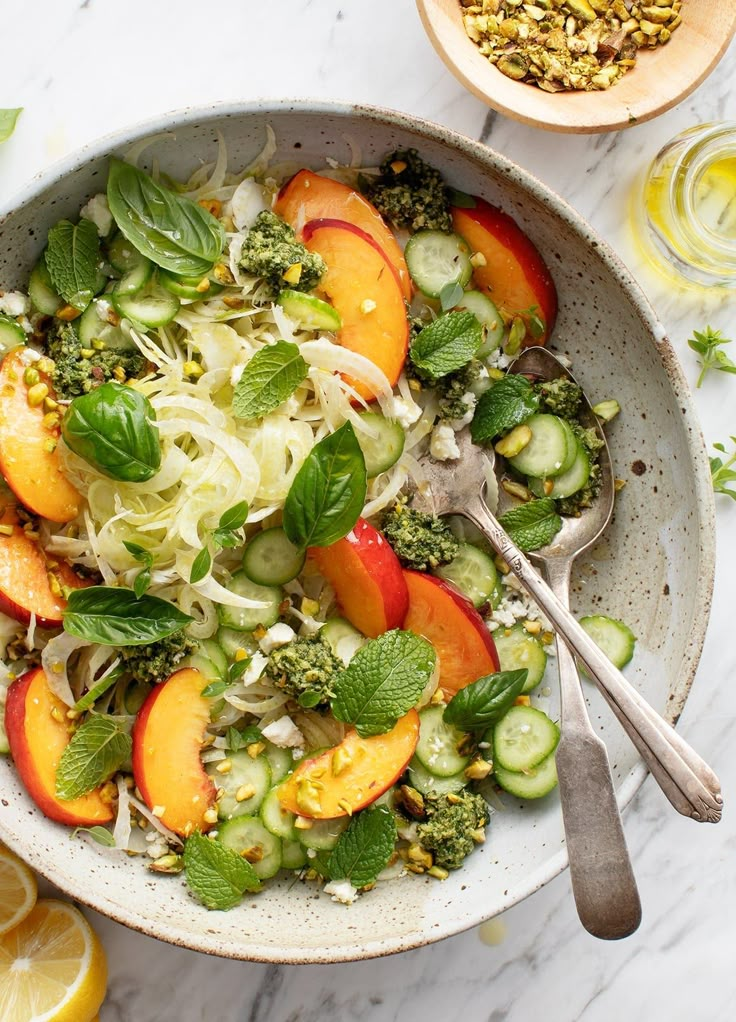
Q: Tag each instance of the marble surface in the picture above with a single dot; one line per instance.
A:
(82, 69)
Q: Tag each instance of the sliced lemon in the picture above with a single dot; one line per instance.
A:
(18, 890)
(52, 967)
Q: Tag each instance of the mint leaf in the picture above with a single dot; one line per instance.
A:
(507, 404)
(114, 616)
(364, 848)
(200, 566)
(99, 834)
(707, 345)
(97, 749)
(328, 493)
(532, 525)
(73, 259)
(484, 701)
(383, 681)
(217, 875)
(447, 344)
(271, 376)
(8, 120)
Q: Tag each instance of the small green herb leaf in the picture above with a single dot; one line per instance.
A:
(217, 875)
(96, 750)
(200, 566)
(271, 376)
(707, 345)
(235, 517)
(383, 681)
(8, 120)
(328, 492)
(532, 525)
(450, 295)
(484, 701)
(461, 199)
(447, 344)
(167, 228)
(73, 259)
(237, 740)
(98, 689)
(722, 473)
(113, 429)
(364, 848)
(143, 578)
(99, 834)
(234, 671)
(509, 402)
(115, 617)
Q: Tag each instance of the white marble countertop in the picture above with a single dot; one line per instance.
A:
(81, 69)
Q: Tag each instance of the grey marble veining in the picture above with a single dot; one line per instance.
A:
(83, 68)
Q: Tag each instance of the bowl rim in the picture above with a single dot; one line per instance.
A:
(166, 122)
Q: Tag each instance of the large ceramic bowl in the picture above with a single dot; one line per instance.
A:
(654, 568)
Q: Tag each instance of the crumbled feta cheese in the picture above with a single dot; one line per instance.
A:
(104, 309)
(442, 444)
(157, 845)
(249, 199)
(284, 733)
(14, 304)
(98, 211)
(406, 413)
(277, 635)
(498, 359)
(342, 890)
(470, 400)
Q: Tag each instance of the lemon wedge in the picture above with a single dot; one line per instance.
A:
(18, 890)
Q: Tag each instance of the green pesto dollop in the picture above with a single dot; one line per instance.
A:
(585, 496)
(270, 248)
(156, 661)
(560, 397)
(75, 374)
(453, 826)
(410, 193)
(420, 541)
(452, 391)
(305, 668)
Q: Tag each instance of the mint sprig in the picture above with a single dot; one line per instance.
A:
(96, 750)
(508, 403)
(447, 344)
(721, 472)
(707, 345)
(73, 260)
(484, 701)
(383, 681)
(271, 376)
(217, 875)
(532, 525)
(363, 850)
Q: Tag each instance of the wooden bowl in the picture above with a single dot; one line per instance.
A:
(662, 77)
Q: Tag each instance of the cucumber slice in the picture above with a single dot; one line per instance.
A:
(281, 761)
(473, 572)
(614, 637)
(245, 619)
(192, 288)
(215, 653)
(94, 326)
(517, 649)
(202, 664)
(382, 450)
(293, 855)
(123, 256)
(244, 772)
(276, 819)
(309, 312)
(344, 640)
(535, 783)
(41, 290)
(438, 744)
(323, 834)
(271, 559)
(153, 306)
(489, 318)
(435, 259)
(232, 642)
(551, 450)
(11, 334)
(568, 482)
(247, 836)
(429, 784)
(523, 737)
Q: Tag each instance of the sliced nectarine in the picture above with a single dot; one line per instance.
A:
(440, 613)
(309, 196)
(514, 273)
(367, 578)
(37, 728)
(364, 288)
(29, 459)
(355, 773)
(167, 741)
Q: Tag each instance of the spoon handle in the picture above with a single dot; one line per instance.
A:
(603, 882)
(687, 781)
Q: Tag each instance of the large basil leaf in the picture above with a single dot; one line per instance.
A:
(113, 428)
(167, 228)
(485, 701)
(73, 260)
(328, 493)
(113, 616)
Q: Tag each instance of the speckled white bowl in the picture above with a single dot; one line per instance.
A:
(654, 568)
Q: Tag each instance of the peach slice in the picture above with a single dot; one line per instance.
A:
(365, 289)
(514, 274)
(167, 740)
(309, 196)
(440, 613)
(29, 459)
(355, 773)
(367, 578)
(38, 732)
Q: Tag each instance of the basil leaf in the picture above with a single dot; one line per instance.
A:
(113, 429)
(114, 617)
(200, 566)
(447, 344)
(235, 517)
(271, 376)
(507, 404)
(328, 492)
(99, 834)
(364, 848)
(450, 295)
(143, 578)
(237, 740)
(484, 701)
(73, 259)
(217, 875)
(215, 688)
(8, 120)
(383, 681)
(532, 525)
(167, 228)
(96, 750)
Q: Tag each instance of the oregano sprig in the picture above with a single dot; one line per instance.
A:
(227, 534)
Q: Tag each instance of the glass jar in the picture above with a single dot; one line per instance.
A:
(689, 204)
